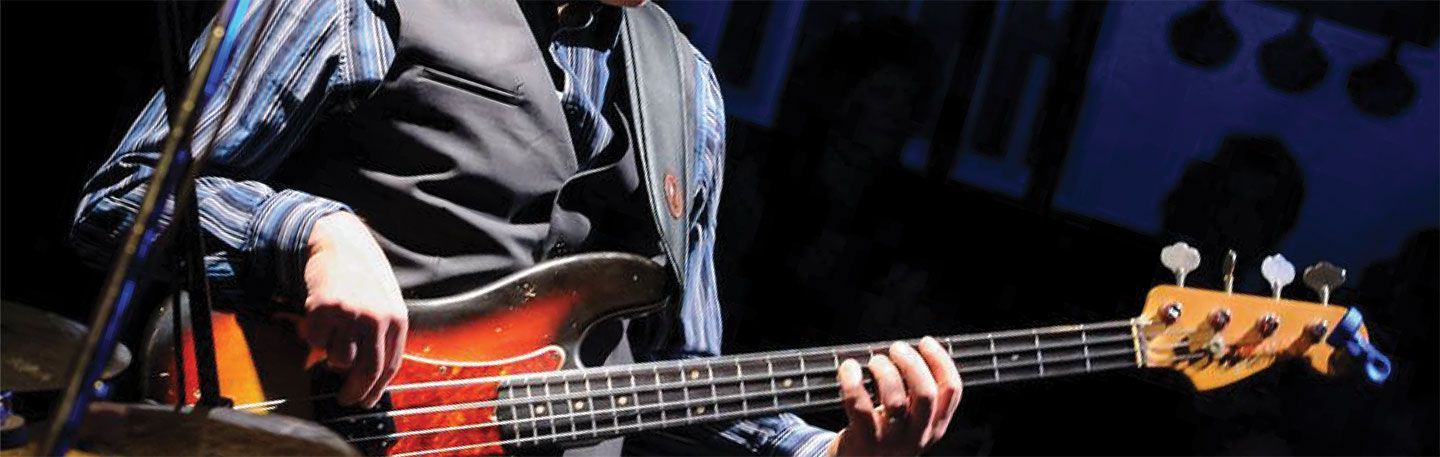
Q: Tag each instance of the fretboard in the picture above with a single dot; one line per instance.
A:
(580, 405)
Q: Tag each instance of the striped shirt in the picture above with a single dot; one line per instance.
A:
(317, 57)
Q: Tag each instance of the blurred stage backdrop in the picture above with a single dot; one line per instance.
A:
(898, 168)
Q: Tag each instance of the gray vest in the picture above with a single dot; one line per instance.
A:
(462, 164)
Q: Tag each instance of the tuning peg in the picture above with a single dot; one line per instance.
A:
(1278, 272)
(1324, 277)
(1181, 259)
(1227, 266)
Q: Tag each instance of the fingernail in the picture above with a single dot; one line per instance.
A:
(931, 341)
(875, 358)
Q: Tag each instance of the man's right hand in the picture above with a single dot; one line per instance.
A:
(353, 307)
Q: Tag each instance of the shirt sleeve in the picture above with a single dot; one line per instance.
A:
(308, 54)
(781, 434)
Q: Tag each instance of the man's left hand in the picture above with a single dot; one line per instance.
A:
(918, 394)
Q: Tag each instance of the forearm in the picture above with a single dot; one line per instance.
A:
(257, 235)
(317, 55)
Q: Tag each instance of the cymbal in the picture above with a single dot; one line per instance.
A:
(142, 429)
(37, 349)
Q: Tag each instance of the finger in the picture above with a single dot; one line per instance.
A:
(855, 400)
(919, 384)
(390, 362)
(340, 352)
(891, 391)
(318, 329)
(947, 380)
(367, 364)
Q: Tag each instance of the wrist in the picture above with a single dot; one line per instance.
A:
(833, 449)
(336, 228)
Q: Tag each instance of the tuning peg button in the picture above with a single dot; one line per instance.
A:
(1316, 330)
(1219, 319)
(1181, 259)
(1278, 272)
(1171, 312)
(1324, 277)
(1268, 324)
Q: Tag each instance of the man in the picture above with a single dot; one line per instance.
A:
(383, 151)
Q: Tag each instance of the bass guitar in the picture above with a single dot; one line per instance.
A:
(495, 371)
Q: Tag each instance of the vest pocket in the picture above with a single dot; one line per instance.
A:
(482, 89)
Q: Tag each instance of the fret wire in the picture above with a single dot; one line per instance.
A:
(535, 427)
(770, 372)
(804, 379)
(714, 394)
(590, 405)
(635, 398)
(514, 408)
(659, 393)
(1085, 346)
(685, 392)
(740, 373)
(610, 385)
(994, 359)
(1039, 357)
(568, 406)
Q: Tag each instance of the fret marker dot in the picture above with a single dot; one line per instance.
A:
(579, 405)
(539, 410)
(699, 410)
(623, 401)
(787, 382)
(694, 374)
(1014, 357)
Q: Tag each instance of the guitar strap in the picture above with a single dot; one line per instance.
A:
(661, 90)
(662, 104)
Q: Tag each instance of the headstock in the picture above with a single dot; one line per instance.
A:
(1217, 338)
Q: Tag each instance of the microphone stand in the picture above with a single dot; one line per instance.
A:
(173, 176)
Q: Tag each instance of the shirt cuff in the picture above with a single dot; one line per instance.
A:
(280, 241)
(804, 440)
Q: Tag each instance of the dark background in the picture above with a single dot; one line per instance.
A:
(899, 168)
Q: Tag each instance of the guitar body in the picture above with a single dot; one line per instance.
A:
(529, 322)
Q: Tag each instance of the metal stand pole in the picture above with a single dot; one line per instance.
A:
(124, 280)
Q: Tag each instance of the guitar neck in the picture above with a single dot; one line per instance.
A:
(587, 404)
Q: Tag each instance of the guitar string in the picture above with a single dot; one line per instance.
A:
(671, 386)
(595, 432)
(1014, 351)
(546, 377)
(527, 401)
(786, 374)
(688, 404)
(556, 436)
